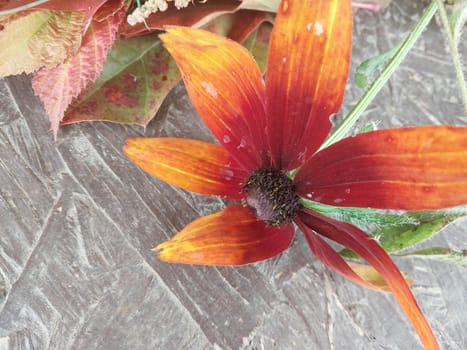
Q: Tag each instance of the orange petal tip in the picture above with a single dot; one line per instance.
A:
(158, 249)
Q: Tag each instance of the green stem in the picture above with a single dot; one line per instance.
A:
(22, 8)
(454, 52)
(349, 121)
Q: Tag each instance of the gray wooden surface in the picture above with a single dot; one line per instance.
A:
(78, 221)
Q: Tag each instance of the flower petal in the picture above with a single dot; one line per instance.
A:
(329, 257)
(358, 241)
(190, 164)
(369, 274)
(226, 87)
(230, 237)
(410, 168)
(307, 70)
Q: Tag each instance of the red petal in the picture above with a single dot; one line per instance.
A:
(230, 237)
(411, 168)
(307, 71)
(190, 164)
(226, 87)
(358, 241)
(329, 257)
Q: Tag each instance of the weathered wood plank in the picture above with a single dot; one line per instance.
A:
(78, 221)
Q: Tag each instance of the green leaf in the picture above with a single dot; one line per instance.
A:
(369, 66)
(367, 219)
(348, 122)
(394, 230)
(453, 41)
(394, 238)
(258, 43)
(370, 126)
(425, 224)
(457, 20)
(137, 76)
(441, 254)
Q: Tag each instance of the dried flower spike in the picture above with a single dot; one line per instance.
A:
(141, 13)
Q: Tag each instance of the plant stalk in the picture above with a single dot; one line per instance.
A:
(344, 127)
(454, 53)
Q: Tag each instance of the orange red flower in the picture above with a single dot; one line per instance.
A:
(266, 128)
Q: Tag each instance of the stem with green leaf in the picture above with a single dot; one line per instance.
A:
(454, 52)
(343, 128)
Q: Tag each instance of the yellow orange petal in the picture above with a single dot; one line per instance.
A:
(370, 275)
(226, 87)
(230, 237)
(190, 164)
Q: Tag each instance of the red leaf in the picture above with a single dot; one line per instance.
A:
(88, 6)
(34, 39)
(238, 25)
(109, 8)
(136, 78)
(58, 86)
(140, 73)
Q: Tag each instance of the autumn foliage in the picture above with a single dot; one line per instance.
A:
(90, 64)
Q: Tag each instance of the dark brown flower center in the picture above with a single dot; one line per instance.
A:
(271, 195)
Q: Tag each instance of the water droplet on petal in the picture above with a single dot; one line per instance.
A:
(226, 138)
(284, 59)
(318, 28)
(228, 174)
(308, 26)
(338, 200)
(242, 143)
(302, 155)
(210, 89)
(347, 190)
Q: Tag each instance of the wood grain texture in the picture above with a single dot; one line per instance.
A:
(78, 220)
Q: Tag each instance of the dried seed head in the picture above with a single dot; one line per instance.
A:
(271, 195)
(139, 12)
